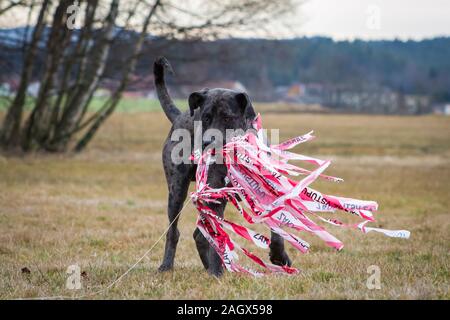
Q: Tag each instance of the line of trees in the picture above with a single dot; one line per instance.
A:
(76, 58)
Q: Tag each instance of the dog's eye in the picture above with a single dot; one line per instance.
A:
(227, 118)
(207, 118)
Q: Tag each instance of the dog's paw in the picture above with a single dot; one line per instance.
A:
(165, 267)
(215, 273)
(280, 259)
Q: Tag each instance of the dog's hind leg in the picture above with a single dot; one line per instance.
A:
(202, 247)
(277, 253)
(178, 189)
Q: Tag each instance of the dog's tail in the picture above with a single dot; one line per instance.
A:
(171, 111)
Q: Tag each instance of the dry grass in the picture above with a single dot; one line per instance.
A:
(104, 208)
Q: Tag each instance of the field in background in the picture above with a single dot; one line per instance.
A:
(104, 208)
(131, 105)
(125, 105)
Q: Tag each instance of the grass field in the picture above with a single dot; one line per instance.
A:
(104, 208)
(127, 105)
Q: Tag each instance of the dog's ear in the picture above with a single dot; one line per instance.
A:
(196, 100)
(246, 106)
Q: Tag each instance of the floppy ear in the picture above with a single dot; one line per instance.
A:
(246, 106)
(195, 100)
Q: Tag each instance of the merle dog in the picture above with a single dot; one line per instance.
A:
(219, 109)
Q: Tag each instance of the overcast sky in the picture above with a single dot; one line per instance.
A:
(345, 19)
(376, 19)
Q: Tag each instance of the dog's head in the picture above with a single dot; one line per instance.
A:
(222, 109)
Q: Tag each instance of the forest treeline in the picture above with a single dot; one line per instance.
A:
(261, 65)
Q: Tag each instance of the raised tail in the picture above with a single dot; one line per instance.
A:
(171, 111)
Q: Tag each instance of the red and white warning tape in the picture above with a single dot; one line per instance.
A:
(258, 176)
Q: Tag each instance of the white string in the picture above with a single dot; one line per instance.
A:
(120, 277)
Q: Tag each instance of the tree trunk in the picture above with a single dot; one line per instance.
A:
(128, 70)
(88, 84)
(82, 54)
(10, 6)
(38, 124)
(10, 135)
(78, 54)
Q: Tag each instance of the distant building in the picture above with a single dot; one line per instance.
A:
(302, 93)
(183, 91)
(12, 82)
(443, 109)
(367, 100)
(152, 94)
(5, 89)
(102, 93)
(134, 94)
(33, 88)
(295, 91)
(226, 84)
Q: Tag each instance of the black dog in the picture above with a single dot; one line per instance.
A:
(219, 109)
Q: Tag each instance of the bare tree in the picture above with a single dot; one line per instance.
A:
(6, 6)
(11, 126)
(86, 87)
(76, 59)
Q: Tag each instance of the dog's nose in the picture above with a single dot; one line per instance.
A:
(207, 142)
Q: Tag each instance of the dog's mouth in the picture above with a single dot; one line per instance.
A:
(211, 144)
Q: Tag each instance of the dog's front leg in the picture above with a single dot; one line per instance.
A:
(277, 253)
(215, 267)
(216, 179)
(178, 188)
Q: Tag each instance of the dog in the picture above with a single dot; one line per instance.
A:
(219, 109)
